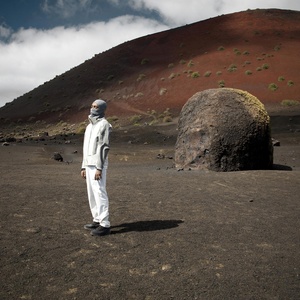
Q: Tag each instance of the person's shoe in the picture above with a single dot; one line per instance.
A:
(91, 226)
(100, 231)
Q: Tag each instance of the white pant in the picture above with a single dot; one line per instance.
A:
(97, 195)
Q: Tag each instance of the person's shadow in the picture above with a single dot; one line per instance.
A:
(145, 226)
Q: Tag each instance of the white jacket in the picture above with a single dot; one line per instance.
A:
(96, 143)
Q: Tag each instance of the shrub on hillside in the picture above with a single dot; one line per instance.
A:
(191, 63)
(232, 68)
(290, 102)
(273, 87)
(221, 83)
(173, 75)
(141, 77)
(265, 66)
(144, 61)
(195, 75)
(135, 119)
(207, 73)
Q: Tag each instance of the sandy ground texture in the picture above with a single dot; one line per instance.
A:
(175, 235)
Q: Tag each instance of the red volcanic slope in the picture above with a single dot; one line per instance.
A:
(164, 70)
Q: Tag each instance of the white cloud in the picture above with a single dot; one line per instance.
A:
(34, 56)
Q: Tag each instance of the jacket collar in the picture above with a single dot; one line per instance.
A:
(94, 120)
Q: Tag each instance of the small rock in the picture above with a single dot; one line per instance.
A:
(275, 143)
(57, 156)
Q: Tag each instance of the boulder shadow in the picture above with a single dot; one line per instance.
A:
(281, 167)
(145, 226)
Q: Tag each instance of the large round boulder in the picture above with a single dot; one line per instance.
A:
(224, 130)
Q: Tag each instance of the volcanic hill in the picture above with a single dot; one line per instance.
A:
(255, 50)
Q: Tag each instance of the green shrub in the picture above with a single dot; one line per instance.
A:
(167, 112)
(207, 73)
(152, 112)
(191, 63)
(290, 83)
(110, 77)
(265, 66)
(246, 53)
(167, 119)
(135, 119)
(81, 128)
(232, 68)
(281, 78)
(277, 48)
(248, 72)
(162, 91)
(237, 51)
(258, 69)
(221, 48)
(141, 77)
(173, 75)
(195, 75)
(290, 102)
(182, 62)
(273, 87)
(221, 83)
(219, 73)
(171, 65)
(153, 122)
(139, 94)
(144, 61)
(112, 119)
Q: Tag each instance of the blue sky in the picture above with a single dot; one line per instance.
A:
(40, 39)
(49, 14)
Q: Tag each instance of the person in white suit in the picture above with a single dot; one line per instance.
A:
(94, 167)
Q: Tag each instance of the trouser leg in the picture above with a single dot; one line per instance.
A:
(97, 195)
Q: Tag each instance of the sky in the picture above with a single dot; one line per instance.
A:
(40, 39)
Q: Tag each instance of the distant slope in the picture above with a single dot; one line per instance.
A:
(247, 50)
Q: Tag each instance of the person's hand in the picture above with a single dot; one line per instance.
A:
(98, 174)
(83, 174)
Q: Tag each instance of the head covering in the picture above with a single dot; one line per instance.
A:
(100, 111)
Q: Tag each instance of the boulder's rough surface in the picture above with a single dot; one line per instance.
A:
(224, 130)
